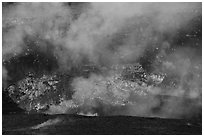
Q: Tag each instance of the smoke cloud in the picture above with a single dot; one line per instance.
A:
(114, 34)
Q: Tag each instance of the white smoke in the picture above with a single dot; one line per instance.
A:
(91, 33)
(109, 34)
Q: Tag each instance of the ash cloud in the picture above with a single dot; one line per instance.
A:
(108, 34)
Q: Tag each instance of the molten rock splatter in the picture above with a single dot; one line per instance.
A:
(36, 94)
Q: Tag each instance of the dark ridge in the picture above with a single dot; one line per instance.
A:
(107, 125)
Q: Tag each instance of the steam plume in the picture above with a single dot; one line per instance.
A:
(108, 34)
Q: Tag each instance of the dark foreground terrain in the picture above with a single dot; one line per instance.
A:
(71, 124)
